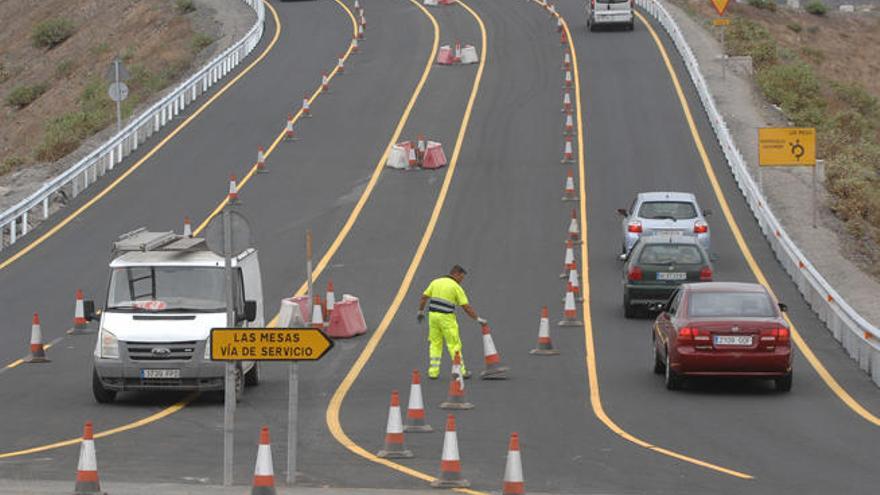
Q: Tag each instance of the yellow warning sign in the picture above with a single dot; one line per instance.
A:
(720, 6)
(722, 21)
(786, 146)
(268, 344)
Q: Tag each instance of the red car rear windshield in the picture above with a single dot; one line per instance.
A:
(730, 304)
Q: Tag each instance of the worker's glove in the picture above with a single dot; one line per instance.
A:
(420, 317)
(482, 321)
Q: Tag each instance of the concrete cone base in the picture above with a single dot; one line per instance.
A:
(570, 323)
(37, 359)
(438, 483)
(456, 405)
(418, 429)
(567, 198)
(497, 373)
(544, 352)
(395, 454)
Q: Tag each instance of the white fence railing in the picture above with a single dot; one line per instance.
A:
(15, 221)
(860, 339)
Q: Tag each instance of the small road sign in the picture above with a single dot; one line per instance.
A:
(720, 6)
(118, 91)
(268, 344)
(786, 146)
(722, 21)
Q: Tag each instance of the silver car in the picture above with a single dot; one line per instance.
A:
(664, 213)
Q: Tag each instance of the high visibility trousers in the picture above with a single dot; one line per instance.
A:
(442, 326)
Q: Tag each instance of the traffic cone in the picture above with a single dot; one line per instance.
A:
(395, 447)
(559, 24)
(415, 412)
(567, 153)
(38, 353)
(552, 10)
(261, 160)
(360, 32)
(363, 20)
(325, 82)
(264, 473)
(357, 5)
(457, 57)
(573, 230)
(575, 285)
(455, 399)
(289, 135)
(340, 64)
(421, 146)
(513, 473)
(566, 61)
(187, 227)
(569, 314)
(331, 297)
(412, 157)
(569, 125)
(354, 44)
(568, 193)
(494, 369)
(87, 481)
(233, 189)
(450, 463)
(569, 261)
(80, 324)
(545, 345)
(306, 106)
(563, 39)
(566, 102)
(567, 79)
(317, 313)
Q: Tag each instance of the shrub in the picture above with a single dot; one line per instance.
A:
(764, 4)
(9, 163)
(25, 94)
(4, 73)
(816, 8)
(794, 27)
(200, 41)
(52, 32)
(859, 100)
(100, 48)
(746, 37)
(185, 6)
(64, 133)
(65, 69)
(796, 88)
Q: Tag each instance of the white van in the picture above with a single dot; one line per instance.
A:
(610, 12)
(166, 293)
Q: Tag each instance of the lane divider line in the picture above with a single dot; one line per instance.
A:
(808, 353)
(592, 370)
(335, 405)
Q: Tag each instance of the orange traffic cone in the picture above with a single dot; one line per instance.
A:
(574, 233)
(357, 5)
(330, 297)
(289, 134)
(306, 106)
(563, 39)
(38, 353)
(395, 447)
(363, 20)
(340, 65)
(187, 227)
(568, 80)
(233, 189)
(568, 152)
(513, 473)
(569, 125)
(559, 24)
(325, 82)
(569, 314)
(413, 157)
(568, 193)
(317, 313)
(421, 147)
(457, 56)
(455, 399)
(87, 481)
(494, 369)
(545, 345)
(575, 285)
(566, 61)
(80, 324)
(415, 411)
(264, 472)
(566, 102)
(360, 32)
(569, 261)
(354, 44)
(450, 463)
(261, 160)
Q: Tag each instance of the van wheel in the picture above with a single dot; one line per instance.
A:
(252, 377)
(783, 384)
(102, 395)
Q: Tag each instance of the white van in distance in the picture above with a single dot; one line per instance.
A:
(610, 12)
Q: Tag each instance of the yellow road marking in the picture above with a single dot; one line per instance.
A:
(814, 361)
(161, 144)
(592, 371)
(333, 409)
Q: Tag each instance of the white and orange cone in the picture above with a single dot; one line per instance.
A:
(317, 313)
(330, 298)
(569, 262)
(494, 369)
(413, 158)
(568, 193)
(574, 233)
(354, 45)
(340, 64)
(568, 79)
(395, 447)
(289, 134)
(360, 32)
(513, 473)
(187, 227)
(261, 159)
(233, 189)
(569, 313)
(569, 125)
(455, 398)
(421, 147)
(566, 61)
(80, 323)
(568, 151)
(325, 82)
(563, 39)
(559, 24)
(415, 411)
(545, 344)
(457, 53)
(264, 472)
(575, 285)
(450, 462)
(87, 481)
(363, 20)
(306, 106)
(566, 102)
(357, 5)
(38, 352)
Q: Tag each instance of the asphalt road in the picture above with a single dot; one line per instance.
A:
(502, 219)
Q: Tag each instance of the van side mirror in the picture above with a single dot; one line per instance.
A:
(707, 212)
(250, 310)
(623, 212)
(89, 310)
(783, 307)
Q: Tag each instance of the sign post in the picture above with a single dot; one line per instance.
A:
(788, 147)
(721, 23)
(118, 91)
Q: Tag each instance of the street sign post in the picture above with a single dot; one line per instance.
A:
(788, 147)
(721, 23)
(118, 91)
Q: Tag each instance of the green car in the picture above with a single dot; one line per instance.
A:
(657, 265)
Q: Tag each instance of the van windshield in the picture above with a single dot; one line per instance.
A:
(167, 288)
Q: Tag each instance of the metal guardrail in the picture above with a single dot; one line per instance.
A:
(860, 339)
(15, 221)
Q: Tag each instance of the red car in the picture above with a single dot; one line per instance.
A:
(722, 329)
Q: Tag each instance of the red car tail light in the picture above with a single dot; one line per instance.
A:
(634, 227)
(635, 273)
(701, 228)
(685, 335)
(779, 335)
(706, 274)
(701, 335)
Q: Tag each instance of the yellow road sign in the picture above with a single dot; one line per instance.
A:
(786, 146)
(268, 344)
(720, 6)
(722, 21)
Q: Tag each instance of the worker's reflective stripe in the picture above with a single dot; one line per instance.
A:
(441, 305)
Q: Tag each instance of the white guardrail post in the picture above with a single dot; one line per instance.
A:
(860, 339)
(16, 221)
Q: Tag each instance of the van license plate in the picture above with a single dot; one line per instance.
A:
(671, 275)
(171, 374)
(733, 340)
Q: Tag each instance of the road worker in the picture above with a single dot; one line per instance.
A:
(442, 296)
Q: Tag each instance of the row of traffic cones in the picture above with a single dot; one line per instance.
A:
(37, 353)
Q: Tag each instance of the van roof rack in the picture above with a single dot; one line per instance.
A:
(143, 240)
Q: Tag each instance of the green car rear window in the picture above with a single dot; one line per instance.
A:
(664, 254)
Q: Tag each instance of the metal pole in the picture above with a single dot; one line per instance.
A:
(309, 273)
(118, 104)
(229, 393)
(723, 55)
(815, 207)
(292, 412)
